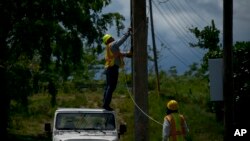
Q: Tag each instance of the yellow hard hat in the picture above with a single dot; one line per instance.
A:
(172, 105)
(105, 38)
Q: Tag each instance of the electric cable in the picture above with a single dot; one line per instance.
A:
(137, 104)
(130, 95)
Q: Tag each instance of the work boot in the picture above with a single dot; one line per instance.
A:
(108, 108)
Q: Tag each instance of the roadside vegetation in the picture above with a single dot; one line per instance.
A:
(192, 94)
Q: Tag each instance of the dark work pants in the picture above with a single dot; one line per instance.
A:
(111, 82)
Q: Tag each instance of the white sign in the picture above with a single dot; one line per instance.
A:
(215, 67)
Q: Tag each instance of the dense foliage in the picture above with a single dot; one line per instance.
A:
(241, 66)
(43, 42)
(191, 92)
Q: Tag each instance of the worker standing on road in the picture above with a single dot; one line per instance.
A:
(174, 127)
(114, 60)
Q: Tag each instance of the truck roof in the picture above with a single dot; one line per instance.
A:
(89, 110)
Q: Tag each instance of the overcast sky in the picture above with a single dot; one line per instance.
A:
(173, 18)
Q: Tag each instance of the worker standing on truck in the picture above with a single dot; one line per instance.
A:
(113, 61)
(174, 127)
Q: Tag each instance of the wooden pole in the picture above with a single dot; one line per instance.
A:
(140, 72)
(228, 71)
(154, 48)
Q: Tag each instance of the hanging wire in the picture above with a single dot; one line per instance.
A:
(130, 95)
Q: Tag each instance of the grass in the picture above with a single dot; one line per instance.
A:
(192, 95)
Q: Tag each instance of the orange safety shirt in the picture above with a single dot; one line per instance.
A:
(177, 127)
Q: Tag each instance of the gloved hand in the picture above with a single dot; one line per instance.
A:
(129, 30)
(129, 54)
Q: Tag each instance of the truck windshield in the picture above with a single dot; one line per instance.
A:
(85, 121)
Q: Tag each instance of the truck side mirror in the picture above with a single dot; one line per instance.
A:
(123, 129)
(47, 127)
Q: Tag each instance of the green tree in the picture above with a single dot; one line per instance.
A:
(208, 39)
(40, 39)
(241, 73)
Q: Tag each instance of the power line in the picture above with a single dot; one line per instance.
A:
(173, 52)
(176, 30)
(177, 21)
(195, 12)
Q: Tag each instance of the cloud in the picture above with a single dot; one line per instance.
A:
(172, 18)
(241, 16)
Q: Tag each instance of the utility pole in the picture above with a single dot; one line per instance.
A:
(228, 73)
(140, 72)
(154, 47)
(131, 48)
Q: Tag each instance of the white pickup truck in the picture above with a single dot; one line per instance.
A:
(82, 124)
